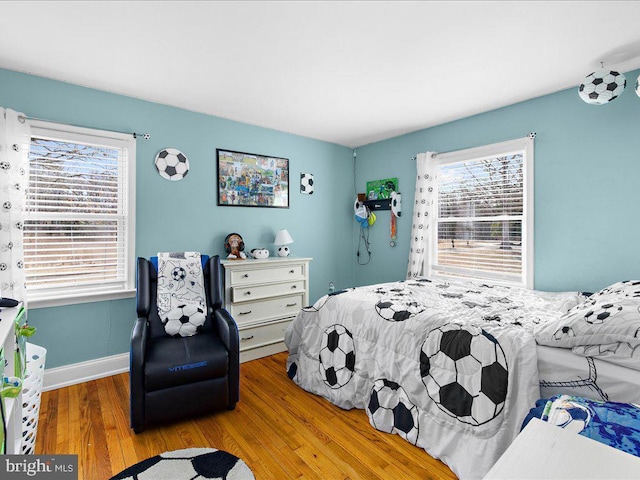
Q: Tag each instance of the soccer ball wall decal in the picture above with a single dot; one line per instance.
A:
(306, 183)
(172, 164)
(337, 356)
(465, 372)
(602, 86)
(184, 321)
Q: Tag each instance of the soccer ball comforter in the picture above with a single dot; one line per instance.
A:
(450, 367)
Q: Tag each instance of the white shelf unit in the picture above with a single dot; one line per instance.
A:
(12, 406)
(264, 296)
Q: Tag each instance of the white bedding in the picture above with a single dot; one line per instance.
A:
(390, 349)
(562, 372)
(605, 325)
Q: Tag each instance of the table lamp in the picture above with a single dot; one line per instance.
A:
(283, 238)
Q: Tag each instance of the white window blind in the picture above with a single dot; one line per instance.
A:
(78, 230)
(482, 226)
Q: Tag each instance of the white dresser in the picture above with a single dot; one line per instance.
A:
(264, 296)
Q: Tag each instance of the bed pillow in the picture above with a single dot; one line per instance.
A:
(625, 289)
(605, 325)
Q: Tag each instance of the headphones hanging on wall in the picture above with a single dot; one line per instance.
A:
(233, 237)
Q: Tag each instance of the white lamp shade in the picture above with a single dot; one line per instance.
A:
(283, 238)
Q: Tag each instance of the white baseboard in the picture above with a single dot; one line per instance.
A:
(103, 367)
(85, 371)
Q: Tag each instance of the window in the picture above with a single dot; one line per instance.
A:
(79, 229)
(482, 214)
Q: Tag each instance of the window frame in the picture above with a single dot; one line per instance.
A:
(59, 296)
(520, 145)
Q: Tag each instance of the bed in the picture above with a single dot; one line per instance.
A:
(451, 367)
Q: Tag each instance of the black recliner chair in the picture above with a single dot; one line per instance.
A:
(174, 378)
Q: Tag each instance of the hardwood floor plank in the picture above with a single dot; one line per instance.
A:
(108, 409)
(98, 463)
(278, 429)
(52, 415)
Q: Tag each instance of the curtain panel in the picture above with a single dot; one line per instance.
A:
(15, 138)
(422, 209)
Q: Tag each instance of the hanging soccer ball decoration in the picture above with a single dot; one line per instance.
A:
(602, 86)
(172, 164)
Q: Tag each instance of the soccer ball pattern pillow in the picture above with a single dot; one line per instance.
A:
(184, 321)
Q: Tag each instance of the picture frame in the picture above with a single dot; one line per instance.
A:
(381, 189)
(252, 180)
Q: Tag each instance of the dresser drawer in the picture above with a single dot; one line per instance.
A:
(267, 275)
(248, 293)
(255, 311)
(263, 335)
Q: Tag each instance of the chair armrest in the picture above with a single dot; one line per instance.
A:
(226, 328)
(139, 336)
(228, 331)
(143, 287)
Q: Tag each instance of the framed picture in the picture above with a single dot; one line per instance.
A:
(381, 189)
(252, 180)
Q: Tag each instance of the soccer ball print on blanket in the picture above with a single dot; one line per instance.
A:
(337, 356)
(465, 371)
(396, 310)
(391, 411)
(180, 293)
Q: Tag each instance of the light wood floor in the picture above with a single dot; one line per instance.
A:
(277, 428)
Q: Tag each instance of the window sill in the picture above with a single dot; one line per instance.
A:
(46, 301)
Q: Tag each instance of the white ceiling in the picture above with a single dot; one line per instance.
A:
(350, 73)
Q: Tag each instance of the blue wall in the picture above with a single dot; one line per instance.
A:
(587, 171)
(183, 216)
(587, 177)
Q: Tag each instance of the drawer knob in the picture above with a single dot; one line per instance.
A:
(248, 293)
(246, 275)
(294, 286)
(247, 338)
(292, 271)
(244, 313)
(291, 304)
